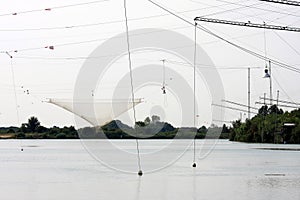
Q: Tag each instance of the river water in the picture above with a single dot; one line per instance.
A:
(72, 169)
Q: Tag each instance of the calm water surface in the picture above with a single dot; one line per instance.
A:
(63, 169)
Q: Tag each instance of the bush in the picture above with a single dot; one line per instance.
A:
(61, 136)
(20, 135)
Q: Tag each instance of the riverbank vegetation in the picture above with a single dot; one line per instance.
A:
(150, 128)
(270, 125)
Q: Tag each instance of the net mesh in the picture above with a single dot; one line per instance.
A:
(96, 112)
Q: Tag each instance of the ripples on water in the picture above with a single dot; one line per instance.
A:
(63, 169)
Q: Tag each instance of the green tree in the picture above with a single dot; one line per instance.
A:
(263, 110)
(274, 110)
(32, 124)
(225, 129)
(268, 126)
(24, 128)
(20, 135)
(10, 130)
(140, 124)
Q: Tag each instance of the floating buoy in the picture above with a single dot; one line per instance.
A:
(163, 89)
(140, 173)
(164, 78)
(22, 149)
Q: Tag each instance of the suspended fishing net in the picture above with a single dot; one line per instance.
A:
(96, 112)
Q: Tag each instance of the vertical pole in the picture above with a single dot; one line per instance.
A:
(271, 96)
(194, 89)
(249, 93)
(263, 121)
(277, 98)
(276, 114)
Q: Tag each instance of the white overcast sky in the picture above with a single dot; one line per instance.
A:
(46, 74)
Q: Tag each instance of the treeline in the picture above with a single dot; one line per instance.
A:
(153, 128)
(34, 130)
(270, 125)
(150, 128)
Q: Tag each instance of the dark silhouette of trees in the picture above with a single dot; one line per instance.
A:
(32, 124)
(268, 127)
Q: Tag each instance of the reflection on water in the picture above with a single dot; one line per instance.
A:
(64, 170)
(138, 188)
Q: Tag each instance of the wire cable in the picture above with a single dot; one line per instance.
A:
(81, 42)
(263, 9)
(194, 88)
(94, 24)
(15, 92)
(14, 88)
(294, 69)
(295, 50)
(265, 46)
(280, 64)
(286, 2)
(132, 91)
(224, 10)
(282, 89)
(199, 27)
(207, 66)
(55, 7)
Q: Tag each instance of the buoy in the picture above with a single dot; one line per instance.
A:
(140, 173)
(194, 165)
(163, 89)
(21, 149)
